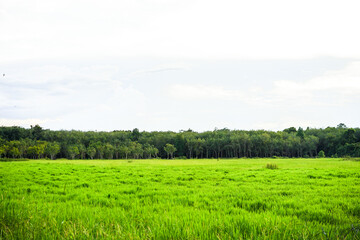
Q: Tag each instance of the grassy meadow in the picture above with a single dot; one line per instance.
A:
(180, 199)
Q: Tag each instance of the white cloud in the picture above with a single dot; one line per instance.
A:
(345, 81)
(22, 122)
(202, 92)
(41, 91)
(190, 29)
(171, 95)
(59, 74)
(160, 68)
(331, 88)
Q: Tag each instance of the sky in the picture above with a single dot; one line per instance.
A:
(161, 65)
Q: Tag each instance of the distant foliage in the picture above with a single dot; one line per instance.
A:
(36, 142)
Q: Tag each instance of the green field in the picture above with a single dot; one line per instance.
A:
(180, 199)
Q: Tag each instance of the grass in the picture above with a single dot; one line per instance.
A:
(180, 199)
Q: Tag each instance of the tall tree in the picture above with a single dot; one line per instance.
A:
(52, 148)
(125, 150)
(36, 132)
(2, 151)
(170, 149)
(109, 151)
(73, 151)
(82, 150)
(154, 151)
(91, 152)
(137, 150)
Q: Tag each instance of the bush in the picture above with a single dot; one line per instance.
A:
(321, 154)
(271, 166)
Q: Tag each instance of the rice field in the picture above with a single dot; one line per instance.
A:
(180, 199)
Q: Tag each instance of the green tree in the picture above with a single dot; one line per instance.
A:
(349, 136)
(109, 151)
(13, 148)
(23, 145)
(2, 151)
(117, 145)
(170, 149)
(52, 149)
(300, 133)
(99, 149)
(14, 152)
(135, 135)
(137, 150)
(125, 150)
(41, 145)
(310, 143)
(36, 132)
(73, 151)
(147, 150)
(82, 150)
(199, 147)
(290, 130)
(340, 141)
(38, 150)
(154, 151)
(91, 152)
(191, 145)
(33, 151)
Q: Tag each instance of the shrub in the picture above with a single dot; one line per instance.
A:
(321, 154)
(271, 166)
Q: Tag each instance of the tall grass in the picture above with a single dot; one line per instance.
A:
(180, 199)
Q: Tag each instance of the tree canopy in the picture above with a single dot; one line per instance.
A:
(36, 142)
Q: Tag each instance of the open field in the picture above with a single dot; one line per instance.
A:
(180, 199)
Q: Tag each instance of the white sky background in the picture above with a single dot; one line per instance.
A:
(171, 65)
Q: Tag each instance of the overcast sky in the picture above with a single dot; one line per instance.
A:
(179, 64)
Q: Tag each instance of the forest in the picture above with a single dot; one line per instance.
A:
(36, 142)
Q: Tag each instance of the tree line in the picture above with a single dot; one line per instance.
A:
(36, 142)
